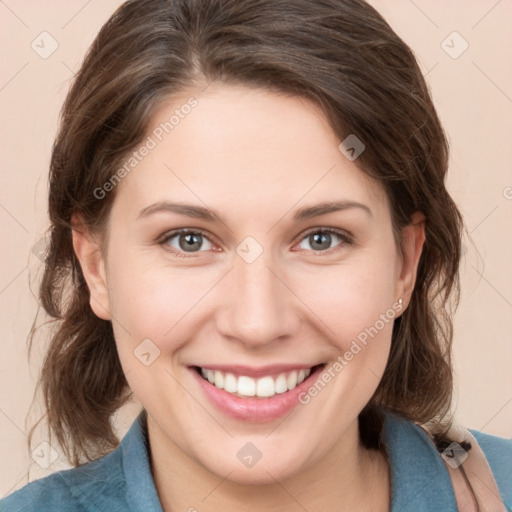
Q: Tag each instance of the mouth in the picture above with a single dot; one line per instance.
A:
(256, 395)
(264, 385)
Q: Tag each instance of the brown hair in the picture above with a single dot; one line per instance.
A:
(341, 55)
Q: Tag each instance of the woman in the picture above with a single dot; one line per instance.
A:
(251, 233)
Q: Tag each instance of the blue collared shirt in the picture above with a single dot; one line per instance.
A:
(122, 480)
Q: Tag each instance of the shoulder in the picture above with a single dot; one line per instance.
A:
(118, 482)
(72, 489)
(419, 478)
(39, 495)
(498, 452)
(419, 474)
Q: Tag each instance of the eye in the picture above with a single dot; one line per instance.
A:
(184, 241)
(320, 239)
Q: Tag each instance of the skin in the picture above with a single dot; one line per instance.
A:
(255, 157)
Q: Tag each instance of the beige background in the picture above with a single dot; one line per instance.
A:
(473, 94)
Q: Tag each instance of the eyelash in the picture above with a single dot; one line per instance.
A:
(345, 240)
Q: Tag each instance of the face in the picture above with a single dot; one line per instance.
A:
(286, 308)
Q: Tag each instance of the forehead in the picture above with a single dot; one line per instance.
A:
(246, 150)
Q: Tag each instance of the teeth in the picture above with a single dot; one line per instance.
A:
(262, 387)
(219, 379)
(266, 387)
(281, 386)
(230, 383)
(291, 381)
(246, 386)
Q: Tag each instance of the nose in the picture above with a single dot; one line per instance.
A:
(260, 307)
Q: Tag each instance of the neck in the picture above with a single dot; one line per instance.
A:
(349, 477)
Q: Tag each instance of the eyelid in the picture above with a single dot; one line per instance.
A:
(325, 229)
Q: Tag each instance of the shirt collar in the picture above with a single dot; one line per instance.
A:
(141, 492)
(419, 478)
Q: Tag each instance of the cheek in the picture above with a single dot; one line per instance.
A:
(153, 301)
(352, 297)
(150, 324)
(357, 316)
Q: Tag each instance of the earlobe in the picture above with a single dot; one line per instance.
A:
(413, 236)
(87, 250)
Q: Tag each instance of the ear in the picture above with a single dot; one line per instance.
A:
(413, 236)
(87, 250)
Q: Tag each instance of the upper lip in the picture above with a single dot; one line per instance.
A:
(261, 371)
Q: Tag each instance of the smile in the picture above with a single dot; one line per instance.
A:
(245, 386)
(255, 395)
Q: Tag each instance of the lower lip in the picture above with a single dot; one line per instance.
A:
(253, 409)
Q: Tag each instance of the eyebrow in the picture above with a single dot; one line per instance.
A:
(199, 212)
